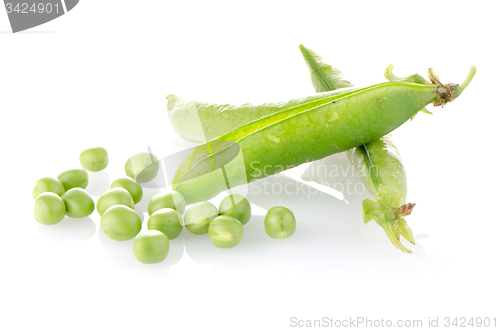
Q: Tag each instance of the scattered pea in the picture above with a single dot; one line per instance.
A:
(279, 222)
(47, 184)
(131, 186)
(115, 196)
(142, 167)
(166, 220)
(225, 231)
(74, 178)
(49, 208)
(151, 247)
(78, 203)
(237, 206)
(171, 199)
(121, 223)
(94, 159)
(198, 217)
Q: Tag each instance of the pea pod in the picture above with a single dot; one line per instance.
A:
(377, 163)
(202, 121)
(308, 131)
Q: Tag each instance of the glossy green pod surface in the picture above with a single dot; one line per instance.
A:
(294, 136)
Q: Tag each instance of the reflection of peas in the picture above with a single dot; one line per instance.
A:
(235, 205)
(131, 186)
(199, 216)
(279, 222)
(115, 196)
(121, 223)
(74, 178)
(142, 167)
(78, 203)
(225, 231)
(49, 208)
(151, 247)
(48, 184)
(94, 159)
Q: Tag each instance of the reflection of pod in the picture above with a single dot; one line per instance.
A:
(25, 14)
(304, 133)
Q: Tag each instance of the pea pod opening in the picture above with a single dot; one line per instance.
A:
(377, 163)
(290, 136)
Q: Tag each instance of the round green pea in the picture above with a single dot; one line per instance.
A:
(74, 178)
(131, 186)
(94, 159)
(78, 203)
(225, 231)
(115, 196)
(279, 222)
(47, 184)
(49, 208)
(237, 206)
(198, 217)
(142, 167)
(166, 220)
(172, 199)
(121, 223)
(151, 247)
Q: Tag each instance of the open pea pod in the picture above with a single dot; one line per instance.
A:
(309, 130)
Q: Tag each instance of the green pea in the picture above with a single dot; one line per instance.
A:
(171, 199)
(74, 178)
(237, 206)
(49, 208)
(131, 186)
(94, 159)
(121, 223)
(78, 203)
(48, 184)
(151, 247)
(198, 217)
(279, 222)
(225, 231)
(115, 196)
(166, 220)
(142, 167)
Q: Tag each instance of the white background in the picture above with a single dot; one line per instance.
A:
(98, 76)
